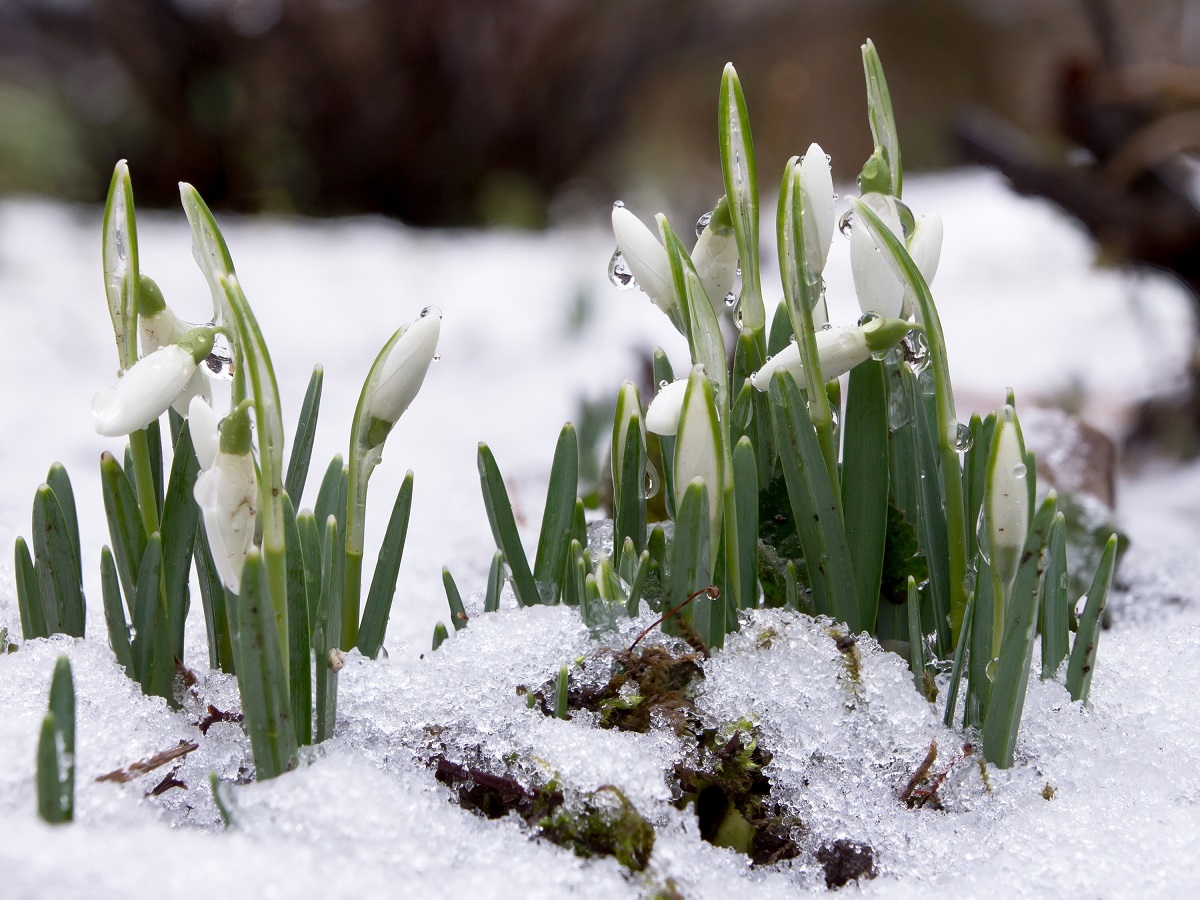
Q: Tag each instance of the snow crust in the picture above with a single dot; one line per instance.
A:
(364, 814)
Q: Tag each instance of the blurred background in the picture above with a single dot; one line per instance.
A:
(524, 112)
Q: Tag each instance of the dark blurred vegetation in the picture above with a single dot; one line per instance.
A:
(451, 112)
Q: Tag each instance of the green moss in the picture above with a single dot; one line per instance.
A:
(603, 823)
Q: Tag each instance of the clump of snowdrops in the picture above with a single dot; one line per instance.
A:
(281, 590)
(863, 500)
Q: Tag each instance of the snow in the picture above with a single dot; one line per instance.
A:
(1021, 305)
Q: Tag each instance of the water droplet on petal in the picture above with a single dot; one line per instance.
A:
(963, 439)
(730, 299)
(827, 326)
(619, 273)
(867, 317)
(828, 158)
(1019, 470)
(702, 223)
(652, 482)
(662, 384)
(846, 223)
(618, 204)
(431, 311)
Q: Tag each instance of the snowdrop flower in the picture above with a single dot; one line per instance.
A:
(662, 416)
(715, 256)
(646, 258)
(153, 383)
(404, 369)
(878, 288)
(159, 326)
(839, 349)
(1006, 501)
(816, 199)
(227, 494)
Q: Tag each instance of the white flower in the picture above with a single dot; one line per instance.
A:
(816, 204)
(206, 437)
(1006, 501)
(878, 287)
(153, 384)
(839, 350)
(646, 258)
(404, 369)
(227, 494)
(662, 416)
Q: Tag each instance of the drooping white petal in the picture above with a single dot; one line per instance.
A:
(203, 422)
(403, 371)
(816, 199)
(144, 393)
(662, 416)
(646, 257)
(925, 245)
(227, 494)
(878, 288)
(715, 257)
(840, 349)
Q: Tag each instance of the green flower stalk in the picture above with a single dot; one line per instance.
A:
(393, 382)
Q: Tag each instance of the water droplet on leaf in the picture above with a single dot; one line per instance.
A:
(963, 439)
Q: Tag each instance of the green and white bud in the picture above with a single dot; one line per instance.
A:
(816, 204)
(839, 350)
(715, 256)
(878, 287)
(227, 494)
(698, 450)
(151, 385)
(1006, 500)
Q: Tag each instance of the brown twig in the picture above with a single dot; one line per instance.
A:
(919, 775)
(713, 593)
(141, 767)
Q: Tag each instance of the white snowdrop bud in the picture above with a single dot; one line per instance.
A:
(816, 204)
(646, 258)
(662, 416)
(403, 371)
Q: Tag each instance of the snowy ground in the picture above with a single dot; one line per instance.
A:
(1021, 306)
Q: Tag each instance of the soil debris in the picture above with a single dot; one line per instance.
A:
(845, 860)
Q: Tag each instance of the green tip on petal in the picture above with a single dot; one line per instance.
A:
(884, 334)
(236, 430)
(198, 342)
(150, 297)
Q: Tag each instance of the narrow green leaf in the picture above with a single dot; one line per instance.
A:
(814, 506)
(745, 492)
(119, 249)
(62, 710)
(60, 483)
(1087, 635)
(664, 375)
(299, 631)
(561, 687)
(960, 657)
(865, 482)
(916, 640)
(29, 593)
(705, 338)
(149, 623)
(629, 488)
(331, 499)
(310, 543)
(306, 432)
(1056, 611)
(51, 802)
(327, 626)
(222, 792)
(933, 529)
(504, 528)
(440, 635)
(262, 675)
(608, 582)
(217, 608)
(378, 607)
(979, 685)
(180, 521)
(638, 584)
(56, 566)
(458, 613)
(495, 582)
(208, 247)
(125, 529)
(691, 556)
(555, 536)
(114, 612)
